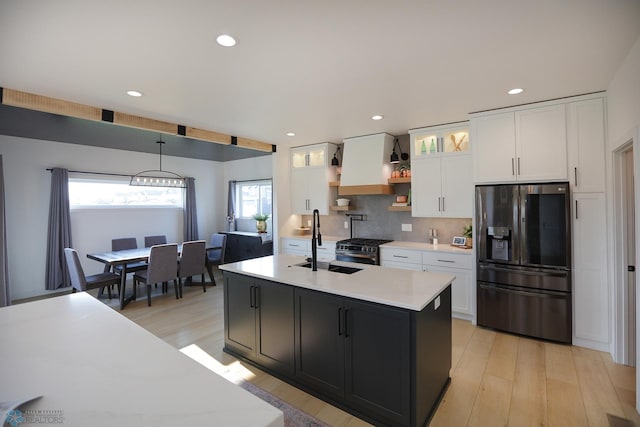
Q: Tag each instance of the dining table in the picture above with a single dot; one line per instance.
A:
(124, 257)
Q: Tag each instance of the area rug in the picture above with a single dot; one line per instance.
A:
(293, 417)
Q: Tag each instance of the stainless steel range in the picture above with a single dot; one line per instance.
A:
(363, 251)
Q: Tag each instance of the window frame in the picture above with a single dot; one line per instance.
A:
(239, 199)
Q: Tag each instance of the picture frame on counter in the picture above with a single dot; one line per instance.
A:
(459, 241)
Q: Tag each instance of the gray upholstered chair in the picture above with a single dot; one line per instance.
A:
(154, 240)
(192, 261)
(163, 267)
(123, 244)
(80, 282)
(216, 256)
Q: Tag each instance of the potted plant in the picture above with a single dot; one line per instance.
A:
(261, 222)
(468, 233)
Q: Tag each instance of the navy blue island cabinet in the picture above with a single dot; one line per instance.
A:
(387, 365)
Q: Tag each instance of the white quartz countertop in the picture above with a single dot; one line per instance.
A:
(95, 367)
(427, 247)
(412, 290)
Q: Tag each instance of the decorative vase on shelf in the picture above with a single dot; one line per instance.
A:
(261, 222)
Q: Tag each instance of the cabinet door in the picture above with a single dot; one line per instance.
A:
(457, 186)
(318, 190)
(378, 360)
(300, 203)
(461, 289)
(591, 307)
(541, 143)
(240, 320)
(493, 148)
(426, 187)
(275, 347)
(319, 341)
(586, 145)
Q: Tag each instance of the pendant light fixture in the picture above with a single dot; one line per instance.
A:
(335, 161)
(158, 177)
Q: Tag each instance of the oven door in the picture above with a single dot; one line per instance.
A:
(359, 258)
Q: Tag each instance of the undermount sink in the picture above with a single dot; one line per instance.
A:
(331, 267)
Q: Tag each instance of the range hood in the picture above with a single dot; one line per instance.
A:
(364, 166)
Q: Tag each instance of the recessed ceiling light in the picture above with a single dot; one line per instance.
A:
(134, 93)
(291, 134)
(226, 40)
(376, 117)
(515, 91)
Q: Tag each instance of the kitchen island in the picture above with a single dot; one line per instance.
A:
(376, 343)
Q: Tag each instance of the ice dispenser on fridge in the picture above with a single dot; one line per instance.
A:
(499, 243)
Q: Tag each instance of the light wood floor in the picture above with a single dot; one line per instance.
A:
(497, 379)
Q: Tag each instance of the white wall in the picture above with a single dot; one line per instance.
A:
(623, 99)
(623, 118)
(27, 187)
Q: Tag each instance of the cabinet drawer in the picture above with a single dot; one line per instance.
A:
(295, 246)
(326, 252)
(401, 265)
(400, 255)
(445, 259)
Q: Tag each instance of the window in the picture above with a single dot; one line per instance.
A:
(253, 197)
(104, 193)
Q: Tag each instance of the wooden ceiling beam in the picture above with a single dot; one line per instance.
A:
(45, 104)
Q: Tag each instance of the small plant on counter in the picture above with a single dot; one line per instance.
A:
(468, 233)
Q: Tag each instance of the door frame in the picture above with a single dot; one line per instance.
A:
(618, 242)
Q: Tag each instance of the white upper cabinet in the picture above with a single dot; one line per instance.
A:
(441, 178)
(524, 145)
(310, 176)
(586, 142)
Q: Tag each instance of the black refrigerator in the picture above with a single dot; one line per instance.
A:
(523, 242)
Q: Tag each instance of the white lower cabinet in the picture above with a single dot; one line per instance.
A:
(460, 265)
(590, 290)
(295, 246)
(302, 246)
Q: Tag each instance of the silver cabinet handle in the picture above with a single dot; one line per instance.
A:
(513, 169)
(439, 204)
(446, 260)
(576, 209)
(400, 256)
(518, 165)
(292, 244)
(443, 209)
(575, 176)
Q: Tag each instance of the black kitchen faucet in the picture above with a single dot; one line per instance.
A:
(316, 239)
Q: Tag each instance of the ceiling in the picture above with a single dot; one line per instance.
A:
(320, 69)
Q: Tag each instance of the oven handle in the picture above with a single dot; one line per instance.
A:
(354, 255)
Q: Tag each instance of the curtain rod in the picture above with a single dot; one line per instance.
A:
(96, 173)
(251, 180)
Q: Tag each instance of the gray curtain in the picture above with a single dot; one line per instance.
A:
(59, 235)
(5, 288)
(190, 212)
(231, 207)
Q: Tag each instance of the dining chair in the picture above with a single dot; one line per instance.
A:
(215, 255)
(80, 282)
(163, 267)
(154, 240)
(192, 261)
(123, 244)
